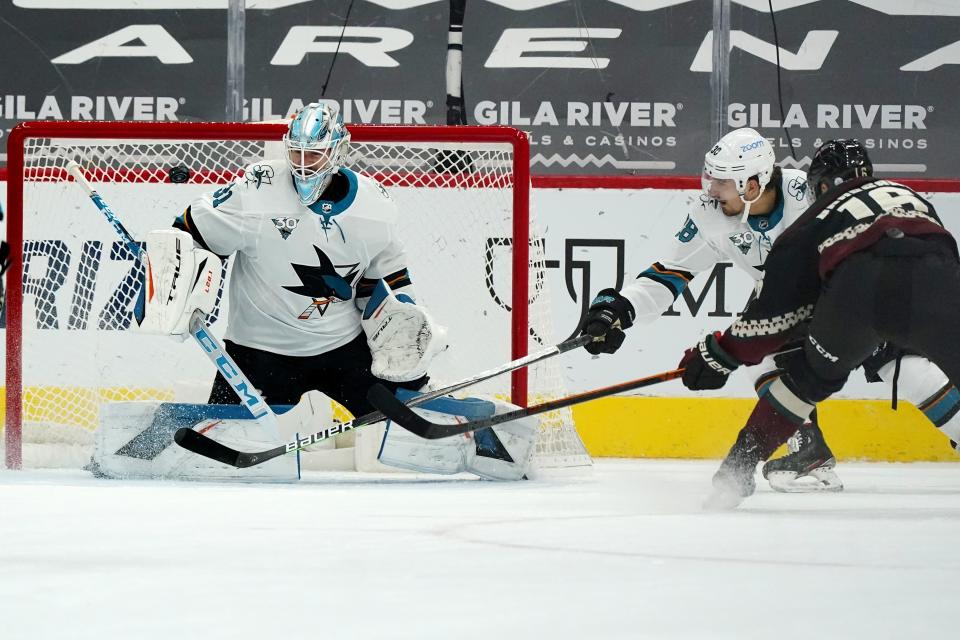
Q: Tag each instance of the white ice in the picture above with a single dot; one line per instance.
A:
(621, 552)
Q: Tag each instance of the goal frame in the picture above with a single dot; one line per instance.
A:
(17, 142)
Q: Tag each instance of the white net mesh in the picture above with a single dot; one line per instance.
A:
(80, 281)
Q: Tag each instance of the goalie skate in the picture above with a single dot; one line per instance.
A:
(808, 467)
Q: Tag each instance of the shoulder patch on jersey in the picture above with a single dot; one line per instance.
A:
(689, 230)
(259, 174)
(797, 189)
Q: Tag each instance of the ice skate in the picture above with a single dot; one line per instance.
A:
(808, 467)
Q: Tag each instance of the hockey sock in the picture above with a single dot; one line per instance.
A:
(771, 425)
(923, 384)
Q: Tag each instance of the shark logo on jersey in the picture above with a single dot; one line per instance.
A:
(285, 225)
(323, 283)
(260, 174)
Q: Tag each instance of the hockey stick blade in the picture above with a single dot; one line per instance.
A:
(206, 446)
(388, 404)
(385, 401)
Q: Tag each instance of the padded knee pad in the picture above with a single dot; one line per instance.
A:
(803, 381)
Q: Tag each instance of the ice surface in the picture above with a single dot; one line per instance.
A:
(622, 552)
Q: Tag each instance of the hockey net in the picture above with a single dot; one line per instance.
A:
(476, 258)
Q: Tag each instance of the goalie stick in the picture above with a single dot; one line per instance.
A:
(210, 448)
(211, 346)
(400, 413)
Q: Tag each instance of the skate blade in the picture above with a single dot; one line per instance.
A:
(820, 479)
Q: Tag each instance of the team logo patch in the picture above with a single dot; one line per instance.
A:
(743, 241)
(324, 283)
(285, 225)
(326, 207)
(260, 174)
(797, 188)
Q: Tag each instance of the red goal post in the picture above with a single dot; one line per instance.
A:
(21, 172)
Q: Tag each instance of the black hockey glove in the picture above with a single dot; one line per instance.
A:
(707, 365)
(609, 314)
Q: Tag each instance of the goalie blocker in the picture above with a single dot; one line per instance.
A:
(180, 278)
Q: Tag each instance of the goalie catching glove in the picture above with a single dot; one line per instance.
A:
(402, 336)
(180, 278)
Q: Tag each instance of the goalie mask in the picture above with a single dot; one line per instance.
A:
(728, 166)
(315, 142)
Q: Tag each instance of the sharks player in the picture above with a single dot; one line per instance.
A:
(747, 203)
(320, 294)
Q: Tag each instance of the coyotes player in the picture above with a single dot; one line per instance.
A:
(869, 262)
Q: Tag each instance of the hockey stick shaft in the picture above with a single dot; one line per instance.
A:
(210, 448)
(248, 394)
(386, 402)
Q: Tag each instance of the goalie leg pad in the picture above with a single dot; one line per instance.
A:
(135, 440)
(517, 437)
(503, 452)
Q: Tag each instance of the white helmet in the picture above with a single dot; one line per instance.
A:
(316, 142)
(739, 156)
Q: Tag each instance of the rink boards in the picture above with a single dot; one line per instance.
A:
(594, 238)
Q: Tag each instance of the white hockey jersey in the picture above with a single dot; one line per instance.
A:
(708, 237)
(293, 288)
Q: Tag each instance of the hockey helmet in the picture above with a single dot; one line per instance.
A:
(315, 142)
(738, 156)
(837, 161)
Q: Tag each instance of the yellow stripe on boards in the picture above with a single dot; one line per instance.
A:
(635, 427)
(707, 427)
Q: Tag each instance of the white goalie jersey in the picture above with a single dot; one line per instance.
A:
(708, 237)
(300, 274)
